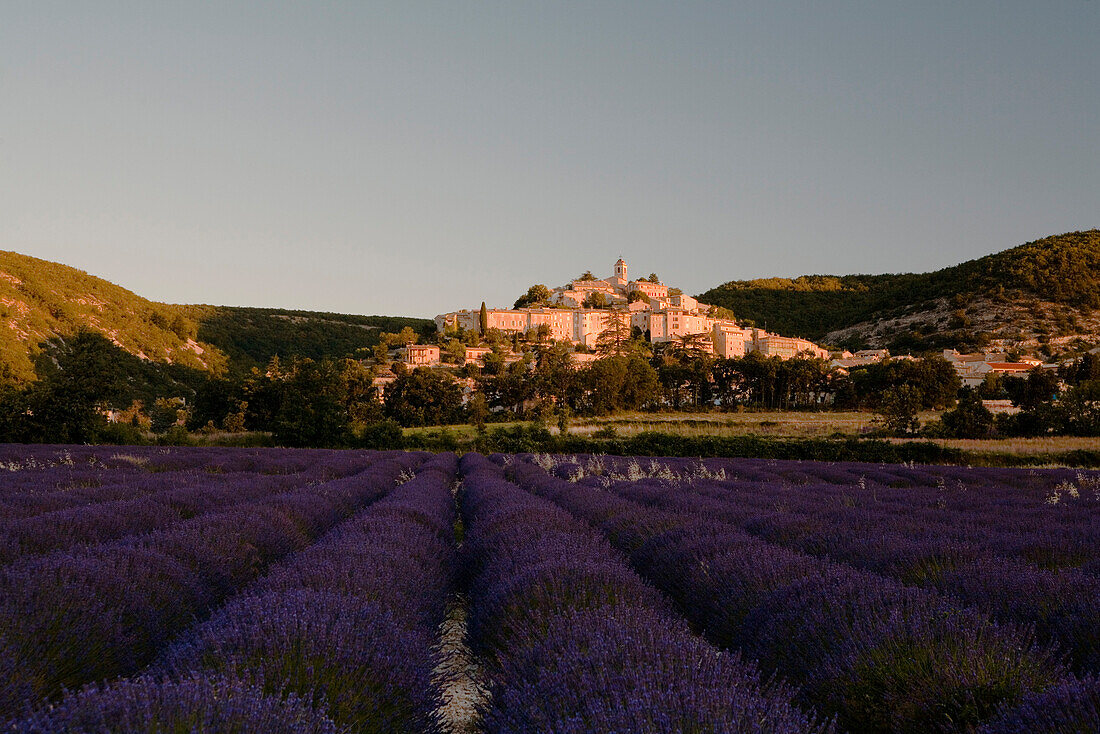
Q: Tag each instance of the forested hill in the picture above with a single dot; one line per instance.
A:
(1063, 270)
(43, 304)
(251, 336)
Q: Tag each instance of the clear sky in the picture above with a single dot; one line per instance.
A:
(416, 157)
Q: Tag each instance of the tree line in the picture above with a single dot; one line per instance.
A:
(336, 402)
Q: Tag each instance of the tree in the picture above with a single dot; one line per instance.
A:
(483, 318)
(1079, 410)
(899, 408)
(387, 341)
(214, 400)
(183, 328)
(653, 278)
(69, 402)
(586, 276)
(595, 299)
(616, 338)
(720, 312)
(166, 413)
(635, 296)
(313, 411)
(424, 397)
(510, 389)
(455, 352)
(618, 383)
(1087, 368)
(478, 410)
(554, 374)
(536, 295)
(992, 387)
(359, 393)
(969, 419)
(494, 362)
(1040, 386)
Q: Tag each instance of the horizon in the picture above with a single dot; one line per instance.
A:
(402, 159)
(475, 306)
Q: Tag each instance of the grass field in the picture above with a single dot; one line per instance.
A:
(770, 424)
(779, 424)
(1026, 446)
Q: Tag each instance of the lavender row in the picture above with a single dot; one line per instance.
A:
(163, 502)
(1050, 519)
(1054, 527)
(881, 656)
(86, 461)
(158, 500)
(30, 487)
(928, 487)
(348, 625)
(1064, 605)
(195, 704)
(576, 642)
(214, 683)
(98, 612)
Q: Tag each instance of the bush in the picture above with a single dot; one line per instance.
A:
(969, 419)
(382, 435)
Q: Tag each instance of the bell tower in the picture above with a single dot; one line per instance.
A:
(620, 269)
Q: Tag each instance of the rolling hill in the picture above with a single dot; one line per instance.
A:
(42, 303)
(1041, 294)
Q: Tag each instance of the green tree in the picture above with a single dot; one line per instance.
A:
(424, 397)
(478, 410)
(166, 412)
(313, 411)
(483, 318)
(359, 393)
(455, 352)
(616, 338)
(1079, 410)
(618, 383)
(595, 299)
(69, 402)
(992, 387)
(183, 328)
(536, 295)
(554, 374)
(1040, 386)
(899, 408)
(511, 388)
(969, 418)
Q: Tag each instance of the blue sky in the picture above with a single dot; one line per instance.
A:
(417, 157)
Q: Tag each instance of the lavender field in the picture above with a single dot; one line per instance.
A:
(239, 590)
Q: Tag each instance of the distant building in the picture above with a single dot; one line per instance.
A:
(422, 355)
(659, 316)
(974, 368)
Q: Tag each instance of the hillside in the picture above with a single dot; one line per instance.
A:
(1045, 292)
(251, 336)
(43, 303)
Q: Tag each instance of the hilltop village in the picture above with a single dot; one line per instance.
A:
(580, 311)
(592, 316)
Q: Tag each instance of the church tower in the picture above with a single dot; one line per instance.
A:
(620, 269)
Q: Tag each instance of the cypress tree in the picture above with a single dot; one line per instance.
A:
(483, 318)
